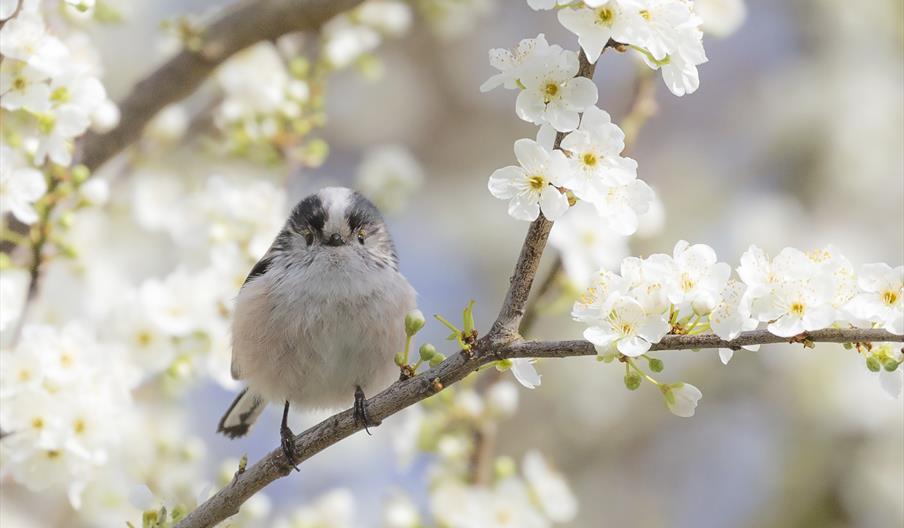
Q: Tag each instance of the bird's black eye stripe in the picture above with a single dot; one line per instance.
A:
(362, 213)
(308, 215)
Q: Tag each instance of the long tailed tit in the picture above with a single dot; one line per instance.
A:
(321, 315)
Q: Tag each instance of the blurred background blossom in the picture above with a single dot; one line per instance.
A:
(794, 138)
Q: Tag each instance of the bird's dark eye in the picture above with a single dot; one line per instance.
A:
(361, 235)
(308, 236)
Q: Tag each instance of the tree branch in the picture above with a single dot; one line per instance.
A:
(402, 394)
(561, 349)
(244, 24)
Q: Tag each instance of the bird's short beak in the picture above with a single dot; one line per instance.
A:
(334, 240)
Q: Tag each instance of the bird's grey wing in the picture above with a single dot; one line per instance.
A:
(258, 270)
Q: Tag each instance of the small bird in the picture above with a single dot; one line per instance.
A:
(321, 315)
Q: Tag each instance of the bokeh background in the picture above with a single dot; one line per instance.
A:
(795, 137)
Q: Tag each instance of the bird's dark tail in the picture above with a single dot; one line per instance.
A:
(241, 414)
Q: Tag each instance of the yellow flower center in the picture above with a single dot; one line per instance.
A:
(890, 297)
(46, 122)
(24, 375)
(687, 283)
(19, 84)
(605, 15)
(798, 309)
(589, 159)
(37, 423)
(645, 14)
(60, 95)
(537, 182)
(550, 91)
(144, 338)
(79, 426)
(627, 328)
(66, 360)
(53, 454)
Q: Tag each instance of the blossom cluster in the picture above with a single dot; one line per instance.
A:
(586, 164)
(666, 33)
(63, 400)
(537, 495)
(49, 86)
(273, 93)
(690, 292)
(49, 95)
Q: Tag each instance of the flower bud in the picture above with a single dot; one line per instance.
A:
(437, 359)
(414, 321)
(504, 467)
(399, 359)
(681, 398)
(656, 365)
(427, 352)
(632, 380)
(80, 174)
(873, 364)
(890, 365)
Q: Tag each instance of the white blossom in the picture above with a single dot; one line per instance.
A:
(622, 205)
(657, 25)
(502, 398)
(254, 80)
(532, 185)
(390, 17)
(594, 26)
(731, 317)
(552, 94)
(25, 38)
(334, 509)
(721, 18)
(13, 288)
(679, 68)
(346, 41)
(882, 297)
(400, 512)
(388, 176)
(681, 398)
(586, 244)
(698, 278)
(20, 186)
(170, 124)
(23, 86)
(512, 63)
(627, 328)
(181, 303)
(551, 489)
(793, 307)
(506, 505)
(525, 373)
(595, 149)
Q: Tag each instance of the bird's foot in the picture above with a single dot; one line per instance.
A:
(287, 439)
(287, 442)
(361, 416)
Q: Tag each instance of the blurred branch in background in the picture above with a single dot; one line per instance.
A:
(246, 24)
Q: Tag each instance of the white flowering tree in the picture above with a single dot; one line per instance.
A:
(119, 270)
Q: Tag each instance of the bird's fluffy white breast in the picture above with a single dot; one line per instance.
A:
(320, 331)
